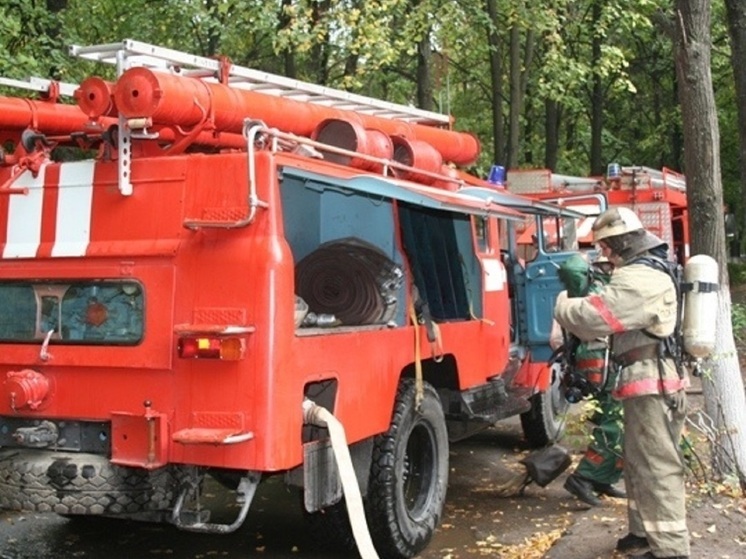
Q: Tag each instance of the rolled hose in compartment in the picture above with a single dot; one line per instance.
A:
(350, 279)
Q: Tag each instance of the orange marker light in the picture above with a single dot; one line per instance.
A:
(226, 349)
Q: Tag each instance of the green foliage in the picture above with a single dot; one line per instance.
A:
(737, 273)
(738, 320)
(737, 276)
(29, 40)
(371, 47)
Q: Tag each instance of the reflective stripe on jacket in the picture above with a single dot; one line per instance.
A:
(638, 298)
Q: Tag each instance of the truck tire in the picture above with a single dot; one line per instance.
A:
(80, 484)
(409, 475)
(544, 423)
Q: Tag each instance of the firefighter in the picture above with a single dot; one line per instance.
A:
(638, 310)
(588, 374)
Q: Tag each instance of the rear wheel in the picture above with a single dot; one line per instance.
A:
(409, 475)
(544, 423)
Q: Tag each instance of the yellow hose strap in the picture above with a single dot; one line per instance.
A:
(418, 387)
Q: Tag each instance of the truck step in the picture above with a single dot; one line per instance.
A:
(492, 402)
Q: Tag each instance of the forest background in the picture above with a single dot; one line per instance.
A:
(570, 85)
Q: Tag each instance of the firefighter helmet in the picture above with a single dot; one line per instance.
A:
(615, 221)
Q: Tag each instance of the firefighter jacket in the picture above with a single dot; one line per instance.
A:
(637, 308)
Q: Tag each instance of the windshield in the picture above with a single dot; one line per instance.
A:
(86, 312)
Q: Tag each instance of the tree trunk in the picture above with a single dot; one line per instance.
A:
(737, 30)
(518, 84)
(551, 133)
(424, 74)
(597, 98)
(677, 140)
(53, 31)
(320, 48)
(722, 385)
(514, 125)
(496, 73)
(288, 55)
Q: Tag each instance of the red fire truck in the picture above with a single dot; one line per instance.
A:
(211, 270)
(657, 196)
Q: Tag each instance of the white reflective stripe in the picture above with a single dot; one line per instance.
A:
(632, 504)
(665, 526)
(24, 217)
(584, 227)
(73, 230)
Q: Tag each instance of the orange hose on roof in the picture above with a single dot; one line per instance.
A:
(184, 101)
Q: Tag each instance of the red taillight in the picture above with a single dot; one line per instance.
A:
(203, 347)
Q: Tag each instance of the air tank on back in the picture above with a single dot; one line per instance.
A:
(700, 305)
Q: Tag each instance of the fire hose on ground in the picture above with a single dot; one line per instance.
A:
(320, 416)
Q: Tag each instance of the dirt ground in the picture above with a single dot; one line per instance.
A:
(549, 523)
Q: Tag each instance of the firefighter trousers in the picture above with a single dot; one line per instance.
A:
(654, 472)
(602, 462)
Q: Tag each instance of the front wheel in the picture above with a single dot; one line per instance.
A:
(409, 475)
(544, 423)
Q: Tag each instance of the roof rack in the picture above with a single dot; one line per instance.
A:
(41, 85)
(647, 177)
(130, 53)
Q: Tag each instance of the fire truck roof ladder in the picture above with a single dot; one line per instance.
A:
(130, 53)
(50, 88)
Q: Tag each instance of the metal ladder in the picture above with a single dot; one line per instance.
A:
(41, 85)
(130, 53)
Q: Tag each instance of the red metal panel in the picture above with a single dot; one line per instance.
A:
(153, 353)
(147, 223)
(535, 375)
(139, 439)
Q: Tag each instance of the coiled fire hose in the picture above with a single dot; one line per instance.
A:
(350, 279)
(320, 416)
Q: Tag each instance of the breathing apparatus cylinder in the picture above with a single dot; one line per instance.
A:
(700, 305)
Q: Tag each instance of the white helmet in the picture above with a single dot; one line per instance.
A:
(615, 221)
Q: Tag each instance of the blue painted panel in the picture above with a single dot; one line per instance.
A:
(542, 286)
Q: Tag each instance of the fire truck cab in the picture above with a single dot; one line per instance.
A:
(209, 270)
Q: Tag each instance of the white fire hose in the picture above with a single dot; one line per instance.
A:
(318, 415)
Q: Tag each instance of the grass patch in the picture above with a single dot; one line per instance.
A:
(737, 273)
